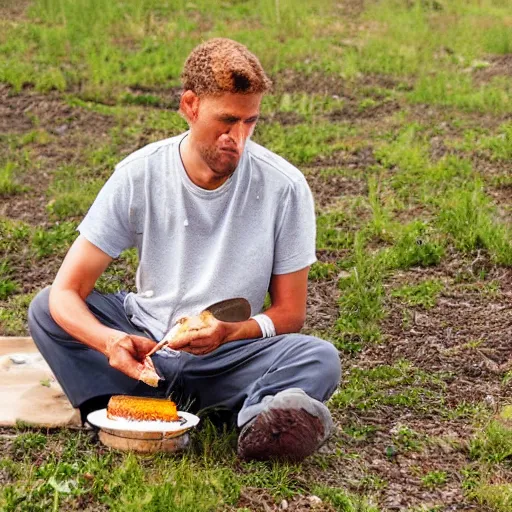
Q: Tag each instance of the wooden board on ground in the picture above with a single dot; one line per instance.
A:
(28, 390)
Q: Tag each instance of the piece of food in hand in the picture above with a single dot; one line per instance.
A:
(138, 408)
(148, 374)
(187, 328)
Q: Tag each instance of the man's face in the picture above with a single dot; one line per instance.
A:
(221, 128)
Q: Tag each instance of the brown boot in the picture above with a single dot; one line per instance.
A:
(291, 427)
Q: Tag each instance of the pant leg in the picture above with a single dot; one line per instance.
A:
(82, 372)
(238, 375)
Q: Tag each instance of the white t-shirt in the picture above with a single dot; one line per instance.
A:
(196, 246)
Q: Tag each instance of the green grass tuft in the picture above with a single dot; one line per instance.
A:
(343, 501)
(497, 497)
(320, 271)
(72, 195)
(500, 146)
(302, 143)
(424, 294)
(7, 285)
(399, 385)
(468, 217)
(55, 240)
(8, 183)
(434, 479)
(416, 245)
(361, 299)
(13, 316)
(333, 231)
(492, 445)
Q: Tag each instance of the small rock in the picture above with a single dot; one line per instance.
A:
(490, 401)
(284, 505)
(59, 130)
(18, 359)
(314, 500)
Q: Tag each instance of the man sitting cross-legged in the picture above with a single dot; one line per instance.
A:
(213, 216)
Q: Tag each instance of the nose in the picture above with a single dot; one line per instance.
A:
(239, 133)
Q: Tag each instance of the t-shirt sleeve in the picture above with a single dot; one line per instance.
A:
(107, 223)
(295, 246)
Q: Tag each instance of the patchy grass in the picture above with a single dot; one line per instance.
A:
(498, 497)
(56, 240)
(320, 271)
(362, 296)
(434, 479)
(333, 231)
(72, 196)
(343, 501)
(144, 42)
(457, 90)
(424, 294)
(400, 385)
(8, 183)
(500, 145)
(13, 314)
(494, 444)
(468, 216)
(303, 142)
(396, 111)
(7, 286)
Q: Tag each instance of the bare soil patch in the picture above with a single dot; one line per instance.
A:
(71, 130)
(27, 110)
(14, 11)
(322, 305)
(169, 97)
(359, 158)
(319, 83)
(464, 334)
(353, 111)
(256, 500)
(328, 187)
(499, 65)
(323, 295)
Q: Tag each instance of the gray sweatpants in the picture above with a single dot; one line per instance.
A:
(235, 377)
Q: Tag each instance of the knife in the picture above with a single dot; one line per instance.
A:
(229, 310)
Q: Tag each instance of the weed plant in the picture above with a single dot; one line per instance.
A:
(361, 297)
(424, 294)
(468, 217)
(500, 146)
(493, 444)
(8, 182)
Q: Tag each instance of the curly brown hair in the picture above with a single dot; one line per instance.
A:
(223, 65)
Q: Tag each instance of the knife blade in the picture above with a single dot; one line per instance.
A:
(231, 310)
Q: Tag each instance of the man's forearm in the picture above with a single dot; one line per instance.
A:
(71, 313)
(284, 322)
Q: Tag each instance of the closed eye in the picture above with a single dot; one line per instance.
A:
(233, 119)
(230, 119)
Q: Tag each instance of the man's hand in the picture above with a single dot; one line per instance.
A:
(203, 341)
(126, 352)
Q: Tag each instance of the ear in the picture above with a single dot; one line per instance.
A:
(189, 106)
